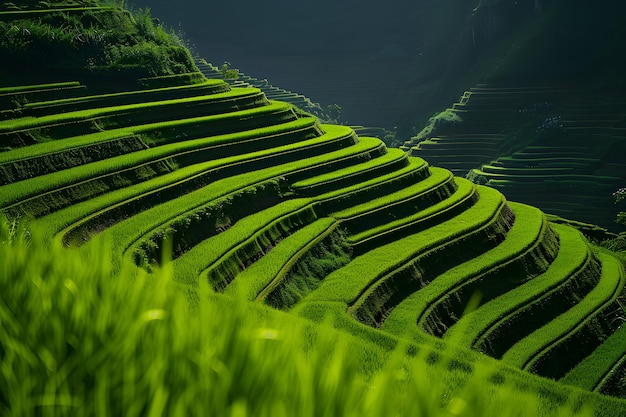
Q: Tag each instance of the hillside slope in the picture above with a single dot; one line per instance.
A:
(559, 147)
(254, 198)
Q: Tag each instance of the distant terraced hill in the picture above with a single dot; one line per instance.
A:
(300, 101)
(560, 149)
(254, 198)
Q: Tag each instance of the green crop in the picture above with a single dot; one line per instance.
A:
(34, 87)
(525, 352)
(349, 282)
(277, 261)
(414, 195)
(465, 193)
(572, 256)
(415, 171)
(67, 321)
(30, 122)
(352, 173)
(221, 260)
(17, 192)
(528, 238)
(594, 371)
(128, 97)
(126, 233)
(179, 178)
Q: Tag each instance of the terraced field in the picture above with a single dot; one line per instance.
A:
(254, 198)
(261, 201)
(558, 149)
(273, 92)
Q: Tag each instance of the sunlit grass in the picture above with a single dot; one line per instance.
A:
(78, 341)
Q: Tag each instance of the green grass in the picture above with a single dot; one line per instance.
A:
(81, 343)
(172, 80)
(528, 351)
(190, 265)
(463, 197)
(190, 228)
(268, 228)
(54, 162)
(593, 371)
(573, 256)
(157, 108)
(126, 233)
(41, 149)
(441, 302)
(337, 200)
(391, 161)
(37, 87)
(212, 146)
(69, 181)
(207, 87)
(417, 278)
(271, 268)
(350, 282)
(416, 197)
(86, 333)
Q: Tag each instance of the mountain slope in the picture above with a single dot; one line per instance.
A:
(255, 198)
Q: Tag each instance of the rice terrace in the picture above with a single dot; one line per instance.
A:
(179, 238)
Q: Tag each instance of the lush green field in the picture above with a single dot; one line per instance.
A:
(552, 146)
(156, 229)
(77, 341)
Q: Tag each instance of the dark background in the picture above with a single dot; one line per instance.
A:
(363, 56)
(394, 63)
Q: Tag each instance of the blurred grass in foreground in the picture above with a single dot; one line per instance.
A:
(77, 341)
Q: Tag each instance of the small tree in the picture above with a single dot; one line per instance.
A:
(228, 72)
(333, 111)
(620, 195)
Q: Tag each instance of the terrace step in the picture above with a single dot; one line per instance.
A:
(463, 197)
(490, 216)
(438, 304)
(543, 300)
(329, 203)
(484, 327)
(514, 162)
(535, 171)
(526, 252)
(546, 350)
(307, 269)
(160, 132)
(266, 273)
(257, 236)
(599, 371)
(144, 112)
(44, 108)
(12, 97)
(482, 177)
(402, 203)
(178, 128)
(42, 195)
(393, 160)
(23, 169)
(132, 203)
(448, 146)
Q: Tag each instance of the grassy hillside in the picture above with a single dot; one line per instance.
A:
(77, 342)
(165, 216)
(559, 147)
(85, 41)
